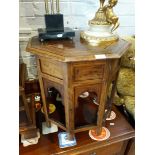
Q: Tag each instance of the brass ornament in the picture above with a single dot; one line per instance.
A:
(52, 6)
(102, 25)
(57, 6)
(46, 7)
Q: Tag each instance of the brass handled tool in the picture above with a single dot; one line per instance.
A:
(46, 6)
(52, 6)
(57, 6)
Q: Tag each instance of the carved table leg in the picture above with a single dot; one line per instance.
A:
(101, 108)
(111, 98)
(68, 102)
(43, 94)
(103, 97)
(112, 95)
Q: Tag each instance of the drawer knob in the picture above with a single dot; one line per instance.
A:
(94, 153)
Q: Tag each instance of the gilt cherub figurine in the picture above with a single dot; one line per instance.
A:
(110, 15)
(105, 15)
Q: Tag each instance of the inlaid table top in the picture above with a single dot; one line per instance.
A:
(75, 49)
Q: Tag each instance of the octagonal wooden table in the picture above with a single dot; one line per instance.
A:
(73, 67)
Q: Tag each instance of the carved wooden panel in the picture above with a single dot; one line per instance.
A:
(88, 71)
(53, 68)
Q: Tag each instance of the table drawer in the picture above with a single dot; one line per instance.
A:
(88, 72)
(113, 149)
(53, 68)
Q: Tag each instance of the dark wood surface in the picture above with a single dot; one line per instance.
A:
(75, 50)
(120, 132)
(32, 86)
(130, 149)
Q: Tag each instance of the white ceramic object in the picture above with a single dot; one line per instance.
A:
(112, 116)
(47, 130)
(84, 95)
(97, 34)
(102, 31)
(31, 141)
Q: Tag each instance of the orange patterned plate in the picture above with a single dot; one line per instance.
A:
(105, 134)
